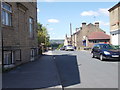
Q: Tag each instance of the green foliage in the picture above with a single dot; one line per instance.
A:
(43, 36)
(61, 45)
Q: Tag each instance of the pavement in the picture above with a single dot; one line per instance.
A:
(41, 73)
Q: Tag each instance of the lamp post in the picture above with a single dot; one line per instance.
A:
(1, 36)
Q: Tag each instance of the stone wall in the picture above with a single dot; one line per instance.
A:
(18, 34)
(114, 18)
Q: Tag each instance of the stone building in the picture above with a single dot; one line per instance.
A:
(67, 41)
(74, 37)
(114, 13)
(82, 33)
(19, 31)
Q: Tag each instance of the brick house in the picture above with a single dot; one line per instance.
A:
(114, 13)
(82, 33)
(97, 37)
(19, 31)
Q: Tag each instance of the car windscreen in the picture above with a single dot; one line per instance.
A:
(70, 45)
(107, 46)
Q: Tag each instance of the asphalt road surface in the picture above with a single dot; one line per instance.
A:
(93, 73)
(69, 69)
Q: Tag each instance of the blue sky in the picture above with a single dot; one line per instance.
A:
(57, 16)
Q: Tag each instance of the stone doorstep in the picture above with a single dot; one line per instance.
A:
(9, 66)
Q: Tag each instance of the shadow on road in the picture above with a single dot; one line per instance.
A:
(43, 73)
(68, 69)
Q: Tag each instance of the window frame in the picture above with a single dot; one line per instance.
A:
(8, 57)
(31, 29)
(7, 14)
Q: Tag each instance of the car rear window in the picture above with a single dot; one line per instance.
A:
(107, 46)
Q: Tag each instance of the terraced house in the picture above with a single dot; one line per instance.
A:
(19, 32)
(114, 13)
(88, 35)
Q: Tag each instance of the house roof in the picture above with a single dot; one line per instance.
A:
(98, 35)
(117, 5)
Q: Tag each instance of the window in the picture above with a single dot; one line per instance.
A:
(6, 14)
(31, 27)
(96, 46)
(32, 53)
(8, 57)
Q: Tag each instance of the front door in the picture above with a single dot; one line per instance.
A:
(32, 54)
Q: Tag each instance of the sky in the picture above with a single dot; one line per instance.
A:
(57, 16)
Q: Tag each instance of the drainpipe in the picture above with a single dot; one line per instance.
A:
(2, 38)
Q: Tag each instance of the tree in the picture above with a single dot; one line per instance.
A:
(61, 45)
(43, 36)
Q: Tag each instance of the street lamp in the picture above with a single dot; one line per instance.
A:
(1, 37)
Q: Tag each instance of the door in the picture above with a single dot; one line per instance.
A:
(97, 50)
(32, 54)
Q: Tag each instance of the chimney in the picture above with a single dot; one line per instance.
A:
(77, 29)
(83, 24)
(97, 24)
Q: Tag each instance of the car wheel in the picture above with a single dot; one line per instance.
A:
(101, 57)
(92, 55)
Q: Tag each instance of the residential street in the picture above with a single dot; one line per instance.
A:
(71, 69)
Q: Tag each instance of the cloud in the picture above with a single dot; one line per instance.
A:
(104, 11)
(100, 11)
(38, 10)
(89, 13)
(53, 21)
(103, 23)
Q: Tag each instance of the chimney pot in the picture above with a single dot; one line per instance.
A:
(97, 24)
(83, 24)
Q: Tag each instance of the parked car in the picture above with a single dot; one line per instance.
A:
(69, 48)
(117, 46)
(105, 51)
(62, 48)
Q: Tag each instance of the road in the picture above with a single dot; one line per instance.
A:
(71, 69)
(93, 72)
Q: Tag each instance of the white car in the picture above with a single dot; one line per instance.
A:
(69, 48)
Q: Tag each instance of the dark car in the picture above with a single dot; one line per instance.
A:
(62, 48)
(105, 51)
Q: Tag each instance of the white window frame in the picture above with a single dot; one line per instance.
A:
(6, 14)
